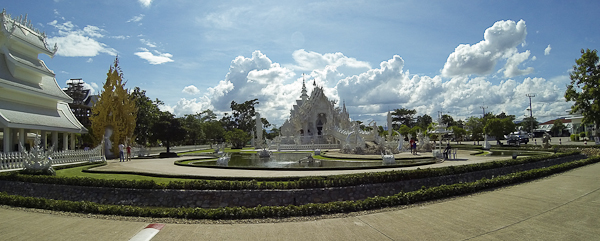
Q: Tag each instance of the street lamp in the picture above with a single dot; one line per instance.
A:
(530, 111)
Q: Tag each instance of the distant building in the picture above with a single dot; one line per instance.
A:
(31, 101)
(82, 101)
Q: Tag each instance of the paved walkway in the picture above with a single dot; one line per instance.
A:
(565, 206)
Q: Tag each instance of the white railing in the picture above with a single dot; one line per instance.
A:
(14, 160)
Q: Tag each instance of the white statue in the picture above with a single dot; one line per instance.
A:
(38, 160)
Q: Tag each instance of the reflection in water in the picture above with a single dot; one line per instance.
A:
(297, 160)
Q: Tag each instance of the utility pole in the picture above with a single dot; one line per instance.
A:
(530, 111)
(483, 107)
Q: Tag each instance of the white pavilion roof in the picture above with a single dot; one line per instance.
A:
(17, 115)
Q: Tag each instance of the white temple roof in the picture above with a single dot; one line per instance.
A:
(47, 87)
(17, 115)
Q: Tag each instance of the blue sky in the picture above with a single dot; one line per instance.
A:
(448, 56)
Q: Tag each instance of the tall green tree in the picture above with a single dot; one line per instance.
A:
(213, 131)
(499, 127)
(238, 138)
(557, 127)
(584, 88)
(447, 120)
(242, 116)
(193, 127)
(168, 129)
(147, 114)
(424, 121)
(403, 117)
(475, 126)
(528, 123)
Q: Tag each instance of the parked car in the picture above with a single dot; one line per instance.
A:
(517, 139)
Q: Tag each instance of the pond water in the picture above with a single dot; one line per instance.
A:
(509, 153)
(300, 160)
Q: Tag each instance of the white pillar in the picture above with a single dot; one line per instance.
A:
(72, 141)
(44, 140)
(21, 139)
(6, 135)
(55, 140)
(65, 141)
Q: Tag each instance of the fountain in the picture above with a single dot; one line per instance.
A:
(223, 160)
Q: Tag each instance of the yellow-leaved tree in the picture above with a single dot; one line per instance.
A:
(114, 113)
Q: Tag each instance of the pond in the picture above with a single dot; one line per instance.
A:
(295, 161)
(509, 153)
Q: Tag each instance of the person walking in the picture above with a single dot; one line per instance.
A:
(121, 154)
(128, 153)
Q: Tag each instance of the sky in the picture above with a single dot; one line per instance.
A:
(453, 57)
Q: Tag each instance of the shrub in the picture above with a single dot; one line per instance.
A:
(574, 137)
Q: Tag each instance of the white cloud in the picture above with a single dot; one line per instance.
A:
(136, 18)
(145, 3)
(159, 58)
(89, 60)
(371, 93)
(547, 50)
(73, 42)
(511, 68)
(191, 89)
(500, 42)
(148, 43)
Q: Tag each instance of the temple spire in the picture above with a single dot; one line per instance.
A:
(304, 96)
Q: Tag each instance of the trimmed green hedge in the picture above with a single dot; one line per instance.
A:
(301, 183)
(402, 198)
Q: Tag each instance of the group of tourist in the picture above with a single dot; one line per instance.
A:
(413, 146)
(122, 157)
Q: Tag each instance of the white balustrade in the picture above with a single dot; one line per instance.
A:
(14, 160)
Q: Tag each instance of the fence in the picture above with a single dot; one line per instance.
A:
(14, 160)
(306, 146)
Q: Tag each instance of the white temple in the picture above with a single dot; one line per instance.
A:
(314, 119)
(31, 101)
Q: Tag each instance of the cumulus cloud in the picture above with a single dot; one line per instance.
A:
(154, 58)
(500, 42)
(369, 92)
(73, 42)
(547, 50)
(191, 89)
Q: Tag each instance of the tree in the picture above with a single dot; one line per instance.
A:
(238, 138)
(193, 127)
(584, 89)
(424, 121)
(213, 131)
(404, 130)
(529, 122)
(242, 116)
(499, 127)
(403, 117)
(447, 120)
(167, 129)
(147, 114)
(459, 133)
(115, 109)
(475, 126)
(557, 127)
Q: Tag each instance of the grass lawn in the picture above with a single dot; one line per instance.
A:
(76, 172)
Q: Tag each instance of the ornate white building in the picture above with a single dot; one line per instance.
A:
(315, 119)
(31, 101)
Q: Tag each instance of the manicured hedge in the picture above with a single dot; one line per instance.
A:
(301, 183)
(402, 198)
